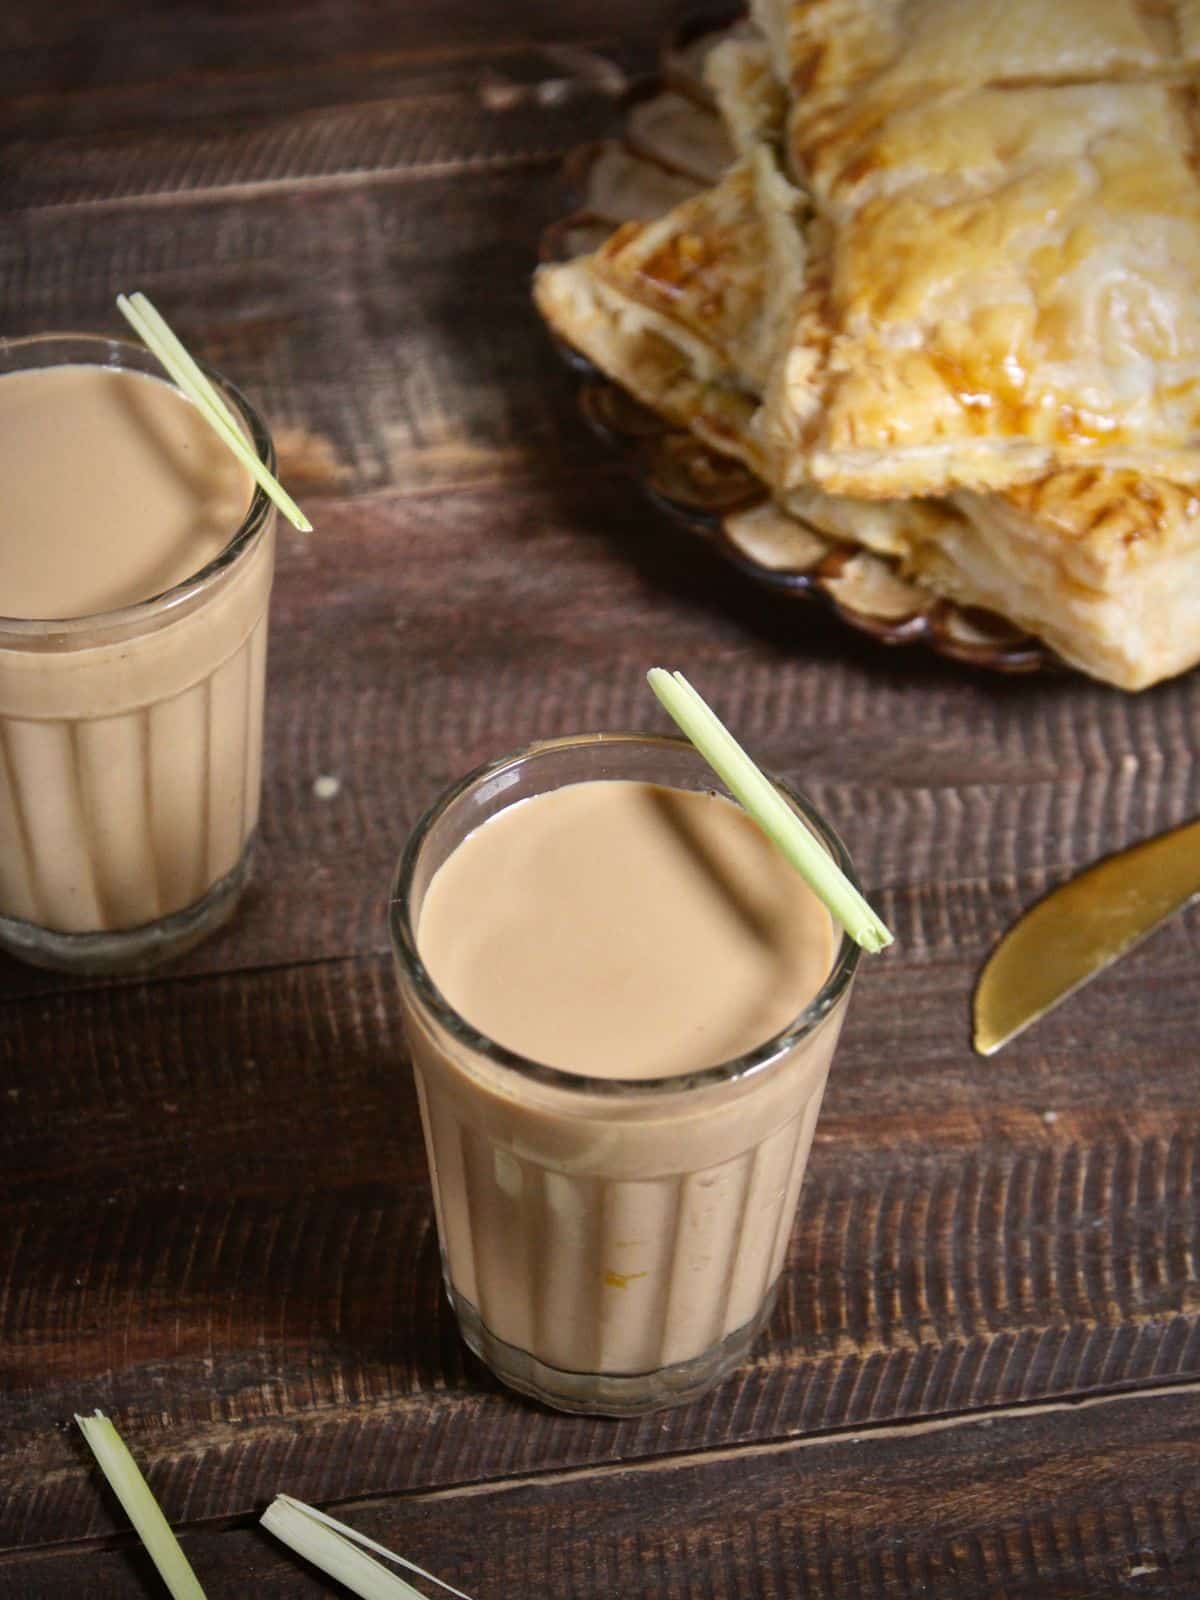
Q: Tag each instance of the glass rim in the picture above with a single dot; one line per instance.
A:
(736, 1069)
(255, 519)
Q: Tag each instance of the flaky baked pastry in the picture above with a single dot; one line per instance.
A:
(699, 271)
(1010, 269)
(1104, 565)
(850, 64)
(1008, 282)
(750, 98)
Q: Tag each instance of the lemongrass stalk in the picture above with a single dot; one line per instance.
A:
(153, 330)
(768, 808)
(358, 1538)
(142, 1509)
(318, 1540)
(188, 377)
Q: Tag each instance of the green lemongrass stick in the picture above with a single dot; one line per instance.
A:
(768, 808)
(359, 1572)
(152, 328)
(353, 1534)
(152, 319)
(142, 1509)
(340, 1551)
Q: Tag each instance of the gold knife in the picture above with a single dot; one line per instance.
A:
(1082, 927)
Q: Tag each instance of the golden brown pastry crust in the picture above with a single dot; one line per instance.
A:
(1104, 565)
(1011, 269)
(1123, 606)
(751, 101)
(1106, 570)
(1010, 283)
(850, 64)
(700, 269)
(641, 350)
(1185, 16)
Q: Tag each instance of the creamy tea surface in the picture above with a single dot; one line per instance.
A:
(625, 930)
(613, 1245)
(131, 743)
(115, 488)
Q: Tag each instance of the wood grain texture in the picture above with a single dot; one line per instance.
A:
(90, 56)
(499, 73)
(214, 1216)
(415, 636)
(386, 332)
(360, 261)
(392, 139)
(241, 1264)
(1108, 1506)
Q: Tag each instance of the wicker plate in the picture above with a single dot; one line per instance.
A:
(672, 144)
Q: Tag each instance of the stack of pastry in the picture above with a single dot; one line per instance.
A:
(945, 302)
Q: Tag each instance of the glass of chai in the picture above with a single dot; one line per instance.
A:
(136, 557)
(621, 1003)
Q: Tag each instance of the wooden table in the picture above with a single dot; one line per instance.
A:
(215, 1224)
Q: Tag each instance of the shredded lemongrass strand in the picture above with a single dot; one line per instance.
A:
(152, 328)
(768, 808)
(341, 1551)
(142, 1509)
(368, 1544)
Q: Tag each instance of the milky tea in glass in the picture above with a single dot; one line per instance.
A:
(621, 1004)
(136, 557)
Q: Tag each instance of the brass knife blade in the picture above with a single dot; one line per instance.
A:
(1080, 928)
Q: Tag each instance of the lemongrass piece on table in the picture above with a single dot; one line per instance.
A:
(769, 809)
(353, 1534)
(152, 328)
(341, 1551)
(142, 1509)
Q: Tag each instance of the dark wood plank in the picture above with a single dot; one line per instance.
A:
(355, 144)
(215, 1222)
(1087, 1503)
(497, 72)
(214, 1218)
(413, 638)
(385, 330)
(356, 253)
(93, 51)
(416, 636)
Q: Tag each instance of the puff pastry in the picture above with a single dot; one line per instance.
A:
(641, 352)
(1009, 282)
(1103, 564)
(851, 63)
(749, 96)
(1010, 264)
(700, 271)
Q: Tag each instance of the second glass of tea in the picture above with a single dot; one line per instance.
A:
(136, 560)
(622, 1004)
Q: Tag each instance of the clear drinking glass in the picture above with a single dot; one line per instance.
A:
(608, 1245)
(131, 741)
